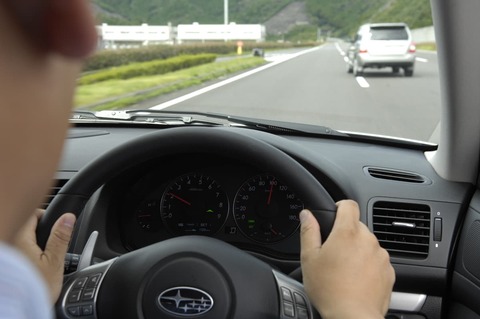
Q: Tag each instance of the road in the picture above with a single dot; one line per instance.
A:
(313, 87)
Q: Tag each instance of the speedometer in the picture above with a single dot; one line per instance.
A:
(266, 210)
(194, 204)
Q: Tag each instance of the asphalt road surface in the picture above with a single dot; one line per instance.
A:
(312, 86)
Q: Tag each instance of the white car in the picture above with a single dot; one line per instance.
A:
(382, 45)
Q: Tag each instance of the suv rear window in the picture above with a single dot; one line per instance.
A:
(388, 33)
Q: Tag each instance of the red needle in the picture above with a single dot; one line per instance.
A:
(270, 194)
(180, 199)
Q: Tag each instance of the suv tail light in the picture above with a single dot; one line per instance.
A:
(412, 48)
(362, 50)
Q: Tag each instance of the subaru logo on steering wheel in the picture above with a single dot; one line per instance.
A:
(185, 301)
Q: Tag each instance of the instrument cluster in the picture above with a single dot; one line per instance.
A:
(232, 202)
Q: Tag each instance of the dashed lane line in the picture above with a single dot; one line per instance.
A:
(362, 82)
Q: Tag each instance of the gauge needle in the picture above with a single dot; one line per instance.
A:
(180, 199)
(270, 194)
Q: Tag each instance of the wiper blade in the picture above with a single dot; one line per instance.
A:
(147, 117)
(198, 118)
(286, 127)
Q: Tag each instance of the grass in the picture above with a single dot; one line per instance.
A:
(116, 94)
(430, 46)
(154, 67)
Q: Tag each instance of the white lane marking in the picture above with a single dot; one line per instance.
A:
(191, 95)
(342, 53)
(421, 59)
(362, 82)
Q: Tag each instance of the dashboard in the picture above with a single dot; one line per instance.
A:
(232, 200)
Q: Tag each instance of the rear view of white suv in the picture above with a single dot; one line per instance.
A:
(381, 45)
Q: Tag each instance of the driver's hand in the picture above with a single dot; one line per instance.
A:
(50, 262)
(350, 275)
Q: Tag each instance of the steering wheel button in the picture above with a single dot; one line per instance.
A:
(80, 283)
(302, 313)
(299, 299)
(74, 311)
(93, 281)
(88, 294)
(87, 310)
(286, 294)
(288, 309)
(74, 296)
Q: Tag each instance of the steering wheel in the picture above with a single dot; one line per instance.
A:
(186, 276)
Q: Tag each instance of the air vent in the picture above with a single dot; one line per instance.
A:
(403, 229)
(53, 192)
(396, 175)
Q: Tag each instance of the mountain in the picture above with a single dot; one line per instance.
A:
(340, 17)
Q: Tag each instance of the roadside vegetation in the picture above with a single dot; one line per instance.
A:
(121, 93)
(429, 46)
(114, 79)
(155, 67)
(110, 58)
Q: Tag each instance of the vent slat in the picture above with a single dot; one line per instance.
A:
(53, 192)
(399, 234)
(418, 226)
(410, 239)
(395, 175)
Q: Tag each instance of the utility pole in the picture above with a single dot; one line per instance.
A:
(225, 11)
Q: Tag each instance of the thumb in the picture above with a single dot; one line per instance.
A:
(59, 239)
(310, 237)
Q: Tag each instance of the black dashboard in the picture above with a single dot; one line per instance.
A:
(254, 210)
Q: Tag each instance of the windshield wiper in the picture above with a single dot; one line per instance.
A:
(198, 118)
(180, 118)
(146, 117)
(286, 127)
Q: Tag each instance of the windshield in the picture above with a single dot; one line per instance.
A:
(388, 33)
(282, 60)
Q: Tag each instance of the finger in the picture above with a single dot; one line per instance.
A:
(39, 213)
(348, 215)
(59, 239)
(310, 237)
(27, 233)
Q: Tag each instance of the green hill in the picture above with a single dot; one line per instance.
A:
(341, 17)
(189, 11)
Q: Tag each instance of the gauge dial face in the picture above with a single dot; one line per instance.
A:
(266, 210)
(147, 215)
(194, 204)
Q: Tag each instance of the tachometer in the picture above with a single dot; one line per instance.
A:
(266, 210)
(194, 204)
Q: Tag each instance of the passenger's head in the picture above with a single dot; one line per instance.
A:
(42, 45)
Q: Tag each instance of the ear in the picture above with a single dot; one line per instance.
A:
(65, 27)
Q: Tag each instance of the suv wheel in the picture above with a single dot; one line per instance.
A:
(357, 69)
(408, 71)
(349, 67)
(395, 69)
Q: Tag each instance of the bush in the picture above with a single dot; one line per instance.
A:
(110, 58)
(147, 68)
